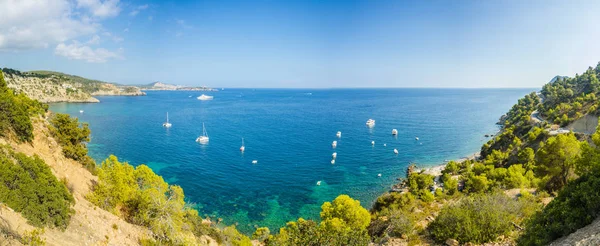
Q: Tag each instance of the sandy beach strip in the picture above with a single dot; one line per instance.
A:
(436, 170)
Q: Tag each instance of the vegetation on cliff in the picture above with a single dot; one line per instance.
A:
(15, 112)
(524, 155)
(72, 137)
(28, 186)
(343, 222)
(144, 198)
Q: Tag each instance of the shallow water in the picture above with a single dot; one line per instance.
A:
(289, 132)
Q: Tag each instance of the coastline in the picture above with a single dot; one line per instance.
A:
(436, 169)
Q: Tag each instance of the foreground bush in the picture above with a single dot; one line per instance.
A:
(28, 186)
(72, 137)
(576, 206)
(481, 218)
(15, 111)
(343, 222)
(144, 198)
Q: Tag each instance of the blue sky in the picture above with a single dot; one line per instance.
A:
(304, 43)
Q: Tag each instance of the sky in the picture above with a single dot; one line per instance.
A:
(304, 43)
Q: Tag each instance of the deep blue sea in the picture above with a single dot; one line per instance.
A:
(289, 132)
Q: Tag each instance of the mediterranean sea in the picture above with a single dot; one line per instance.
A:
(289, 132)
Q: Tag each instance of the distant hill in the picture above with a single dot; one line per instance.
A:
(50, 86)
(557, 77)
(160, 86)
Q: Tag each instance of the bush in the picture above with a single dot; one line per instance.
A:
(28, 186)
(479, 219)
(73, 137)
(576, 206)
(144, 198)
(343, 222)
(15, 111)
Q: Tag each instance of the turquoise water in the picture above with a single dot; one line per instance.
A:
(289, 132)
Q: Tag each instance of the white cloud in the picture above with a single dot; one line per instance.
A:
(101, 8)
(94, 40)
(183, 24)
(137, 10)
(78, 51)
(30, 24)
(114, 38)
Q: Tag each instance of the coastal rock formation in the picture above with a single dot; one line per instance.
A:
(113, 90)
(49, 87)
(159, 86)
(589, 235)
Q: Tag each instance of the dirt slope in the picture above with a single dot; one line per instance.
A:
(89, 225)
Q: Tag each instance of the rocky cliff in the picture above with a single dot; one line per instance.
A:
(51, 87)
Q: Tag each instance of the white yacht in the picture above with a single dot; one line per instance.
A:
(372, 142)
(332, 161)
(334, 144)
(396, 151)
(167, 124)
(394, 132)
(204, 138)
(371, 123)
(338, 134)
(417, 138)
(243, 147)
(205, 97)
(254, 161)
(319, 182)
(379, 175)
(81, 111)
(334, 155)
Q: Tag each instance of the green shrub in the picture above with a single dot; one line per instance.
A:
(576, 206)
(28, 186)
(72, 137)
(15, 111)
(479, 219)
(343, 222)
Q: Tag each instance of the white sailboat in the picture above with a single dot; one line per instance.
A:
(204, 138)
(243, 147)
(167, 124)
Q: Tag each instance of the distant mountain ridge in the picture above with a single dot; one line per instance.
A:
(160, 86)
(50, 86)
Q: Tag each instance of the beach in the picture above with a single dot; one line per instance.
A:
(437, 169)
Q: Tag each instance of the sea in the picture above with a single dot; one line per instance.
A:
(289, 133)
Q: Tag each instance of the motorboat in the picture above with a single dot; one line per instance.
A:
(338, 134)
(334, 144)
(394, 132)
(334, 155)
(396, 151)
(205, 97)
(371, 123)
